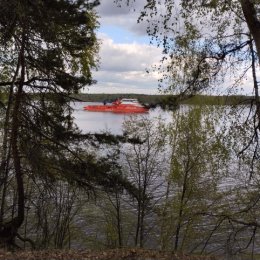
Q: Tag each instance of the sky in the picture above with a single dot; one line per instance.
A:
(125, 52)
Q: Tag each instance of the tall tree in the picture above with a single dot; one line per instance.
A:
(144, 162)
(206, 42)
(203, 38)
(198, 159)
(48, 48)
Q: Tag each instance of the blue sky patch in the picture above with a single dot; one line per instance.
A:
(121, 35)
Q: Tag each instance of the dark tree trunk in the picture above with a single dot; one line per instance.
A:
(8, 231)
(253, 23)
(119, 220)
(4, 166)
(180, 214)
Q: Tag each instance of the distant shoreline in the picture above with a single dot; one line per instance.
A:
(163, 100)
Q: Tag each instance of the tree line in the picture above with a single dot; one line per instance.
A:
(167, 100)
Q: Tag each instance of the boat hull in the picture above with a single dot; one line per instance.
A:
(117, 108)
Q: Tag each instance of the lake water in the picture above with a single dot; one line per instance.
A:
(98, 122)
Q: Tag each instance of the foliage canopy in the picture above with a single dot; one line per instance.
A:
(203, 41)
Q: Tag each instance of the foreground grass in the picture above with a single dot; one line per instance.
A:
(115, 254)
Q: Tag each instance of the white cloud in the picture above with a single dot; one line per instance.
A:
(127, 57)
(123, 65)
(123, 16)
(123, 68)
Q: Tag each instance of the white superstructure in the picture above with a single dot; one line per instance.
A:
(130, 101)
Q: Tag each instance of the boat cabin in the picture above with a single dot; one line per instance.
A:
(129, 101)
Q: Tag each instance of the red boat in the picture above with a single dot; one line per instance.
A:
(125, 105)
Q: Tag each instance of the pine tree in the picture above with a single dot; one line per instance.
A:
(48, 48)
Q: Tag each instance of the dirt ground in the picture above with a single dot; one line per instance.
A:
(115, 254)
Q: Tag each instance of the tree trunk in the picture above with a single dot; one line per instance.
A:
(8, 231)
(138, 222)
(119, 220)
(4, 166)
(178, 228)
(253, 23)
